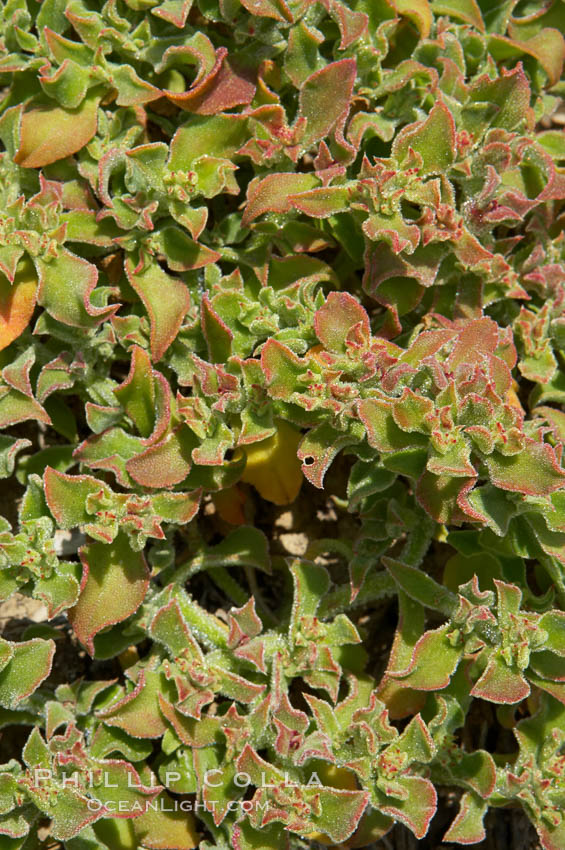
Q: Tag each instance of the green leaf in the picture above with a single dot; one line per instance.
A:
(534, 471)
(137, 393)
(422, 587)
(65, 287)
(28, 668)
(165, 298)
(468, 827)
(50, 133)
(114, 584)
(325, 98)
(433, 139)
(433, 662)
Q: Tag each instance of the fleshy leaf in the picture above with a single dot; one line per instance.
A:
(50, 133)
(17, 303)
(114, 583)
(166, 300)
(324, 99)
(433, 139)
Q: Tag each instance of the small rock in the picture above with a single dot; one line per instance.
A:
(294, 543)
(285, 520)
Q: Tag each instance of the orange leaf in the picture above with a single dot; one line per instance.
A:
(17, 303)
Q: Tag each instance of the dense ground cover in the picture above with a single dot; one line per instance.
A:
(282, 319)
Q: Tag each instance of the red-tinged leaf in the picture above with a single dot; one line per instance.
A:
(276, 9)
(433, 139)
(509, 92)
(271, 194)
(66, 496)
(114, 583)
(547, 46)
(462, 10)
(217, 334)
(556, 689)
(10, 256)
(418, 11)
(122, 782)
(9, 449)
(382, 431)
(318, 449)
(173, 11)
(165, 464)
(65, 284)
(500, 684)
(169, 627)
(323, 202)
(325, 99)
(534, 471)
(17, 303)
(244, 623)
(222, 88)
(217, 136)
(50, 133)
(110, 450)
(340, 811)
(400, 701)
(16, 407)
(478, 337)
(137, 393)
(442, 496)
(551, 837)
(138, 712)
(192, 731)
(419, 807)
(166, 300)
(301, 58)
(397, 233)
(468, 827)
(411, 411)
(352, 25)
(14, 825)
(434, 660)
(59, 591)
(178, 508)
(182, 253)
(555, 418)
(337, 318)
(281, 368)
(236, 687)
(131, 89)
(29, 666)
(16, 373)
(70, 812)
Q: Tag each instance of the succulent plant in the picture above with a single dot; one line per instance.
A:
(259, 253)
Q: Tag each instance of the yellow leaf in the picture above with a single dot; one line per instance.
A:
(273, 467)
(17, 303)
(512, 397)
